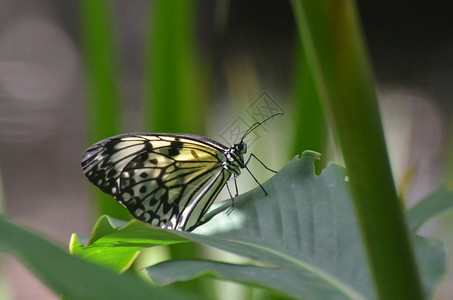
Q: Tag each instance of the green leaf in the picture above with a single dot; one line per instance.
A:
(277, 279)
(70, 275)
(115, 244)
(304, 232)
(433, 206)
(432, 262)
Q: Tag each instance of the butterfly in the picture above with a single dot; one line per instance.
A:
(164, 179)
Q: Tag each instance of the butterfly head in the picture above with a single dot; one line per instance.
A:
(237, 151)
(240, 147)
(235, 155)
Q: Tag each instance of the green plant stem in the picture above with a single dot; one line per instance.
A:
(333, 42)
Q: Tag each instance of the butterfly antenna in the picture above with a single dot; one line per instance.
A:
(257, 124)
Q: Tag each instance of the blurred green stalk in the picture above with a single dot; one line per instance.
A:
(331, 37)
(310, 132)
(100, 55)
(174, 93)
(174, 89)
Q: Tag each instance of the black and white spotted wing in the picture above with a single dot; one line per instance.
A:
(167, 180)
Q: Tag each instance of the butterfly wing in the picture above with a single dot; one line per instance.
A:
(103, 162)
(165, 180)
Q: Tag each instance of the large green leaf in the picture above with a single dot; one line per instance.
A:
(70, 275)
(303, 234)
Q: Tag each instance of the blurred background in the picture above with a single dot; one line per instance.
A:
(75, 72)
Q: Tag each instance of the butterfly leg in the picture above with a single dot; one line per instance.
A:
(256, 180)
(245, 166)
(254, 156)
(230, 210)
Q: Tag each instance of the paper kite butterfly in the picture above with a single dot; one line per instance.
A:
(164, 179)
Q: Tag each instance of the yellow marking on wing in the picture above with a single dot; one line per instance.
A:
(186, 154)
(162, 160)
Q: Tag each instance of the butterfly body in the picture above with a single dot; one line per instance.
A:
(167, 180)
